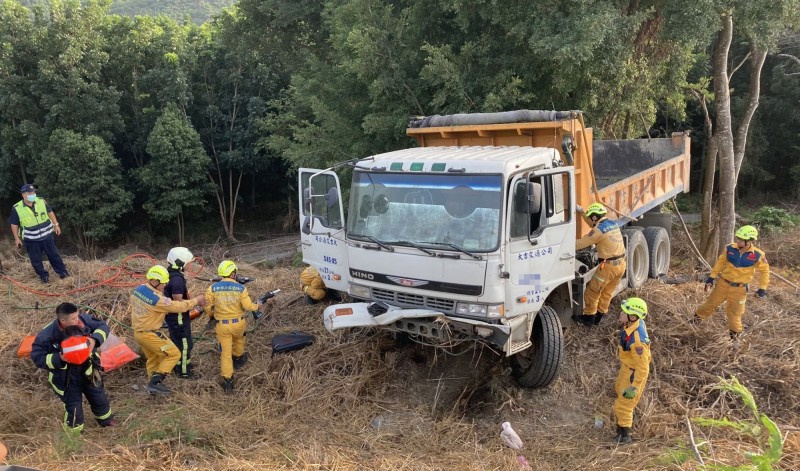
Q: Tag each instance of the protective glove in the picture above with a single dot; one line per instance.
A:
(579, 208)
(761, 293)
(629, 392)
(97, 379)
(709, 283)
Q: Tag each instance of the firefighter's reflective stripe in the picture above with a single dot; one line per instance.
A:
(49, 361)
(104, 416)
(67, 427)
(53, 385)
(101, 333)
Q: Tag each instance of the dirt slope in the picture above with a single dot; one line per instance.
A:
(358, 401)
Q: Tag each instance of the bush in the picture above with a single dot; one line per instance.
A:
(773, 220)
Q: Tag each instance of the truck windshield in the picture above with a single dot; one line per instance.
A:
(429, 210)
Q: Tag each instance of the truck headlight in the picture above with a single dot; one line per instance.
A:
(359, 291)
(491, 311)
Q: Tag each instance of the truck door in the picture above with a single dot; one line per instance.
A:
(322, 235)
(541, 230)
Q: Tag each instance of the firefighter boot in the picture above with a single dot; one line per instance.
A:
(189, 374)
(583, 319)
(157, 386)
(598, 317)
(227, 385)
(239, 362)
(623, 435)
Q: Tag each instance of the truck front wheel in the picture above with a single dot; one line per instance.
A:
(537, 366)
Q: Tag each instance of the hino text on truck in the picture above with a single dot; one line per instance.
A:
(471, 235)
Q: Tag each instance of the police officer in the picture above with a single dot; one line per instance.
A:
(73, 375)
(733, 273)
(605, 234)
(634, 367)
(148, 308)
(33, 221)
(179, 324)
(230, 300)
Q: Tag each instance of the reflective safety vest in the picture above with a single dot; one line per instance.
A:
(34, 222)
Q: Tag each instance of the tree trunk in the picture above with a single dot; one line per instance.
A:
(758, 58)
(708, 226)
(179, 222)
(724, 134)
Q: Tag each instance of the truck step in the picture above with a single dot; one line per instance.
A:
(517, 347)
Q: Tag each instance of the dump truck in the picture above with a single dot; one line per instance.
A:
(470, 235)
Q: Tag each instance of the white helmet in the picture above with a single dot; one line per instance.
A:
(178, 257)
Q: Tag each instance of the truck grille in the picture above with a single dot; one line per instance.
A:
(395, 298)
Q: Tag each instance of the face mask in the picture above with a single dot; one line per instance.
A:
(31, 198)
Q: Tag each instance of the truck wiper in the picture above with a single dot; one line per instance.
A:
(378, 242)
(454, 246)
(406, 243)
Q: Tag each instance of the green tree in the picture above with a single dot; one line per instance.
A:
(374, 63)
(84, 182)
(152, 60)
(70, 82)
(175, 177)
(19, 111)
(233, 82)
(717, 25)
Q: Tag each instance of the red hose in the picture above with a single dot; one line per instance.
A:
(131, 277)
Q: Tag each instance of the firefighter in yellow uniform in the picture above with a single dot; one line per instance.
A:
(230, 300)
(313, 286)
(605, 234)
(634, 367)
(733, 272)
(148, 308)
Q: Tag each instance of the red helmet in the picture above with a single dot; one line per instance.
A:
(76, 349)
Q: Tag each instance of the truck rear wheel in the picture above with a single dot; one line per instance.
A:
(537, 366)
(637, 257)
(659, 246)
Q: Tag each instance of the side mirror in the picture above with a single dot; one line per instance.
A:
(307, 199)
(306, 225)
(534, 197)
(332, 197)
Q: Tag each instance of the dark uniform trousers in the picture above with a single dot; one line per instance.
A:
(180, 332)
(78, 385)
(36, 248)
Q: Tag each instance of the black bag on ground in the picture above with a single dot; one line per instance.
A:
(291, 341)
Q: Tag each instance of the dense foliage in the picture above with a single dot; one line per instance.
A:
(199, 11)
(228, 108)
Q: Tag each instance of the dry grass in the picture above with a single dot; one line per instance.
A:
(357, 401)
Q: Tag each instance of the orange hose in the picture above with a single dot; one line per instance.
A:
(134, 278)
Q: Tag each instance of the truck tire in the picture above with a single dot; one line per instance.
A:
(537, 366)
(658, 245)
(637, 257)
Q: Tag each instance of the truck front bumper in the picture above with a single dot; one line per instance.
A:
(422, 322)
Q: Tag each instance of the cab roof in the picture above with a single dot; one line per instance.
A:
(472, 159)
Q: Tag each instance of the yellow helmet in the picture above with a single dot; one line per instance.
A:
(747, 233)
(596, 209)
(226, 268)
(159, 273)
(635, 307)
